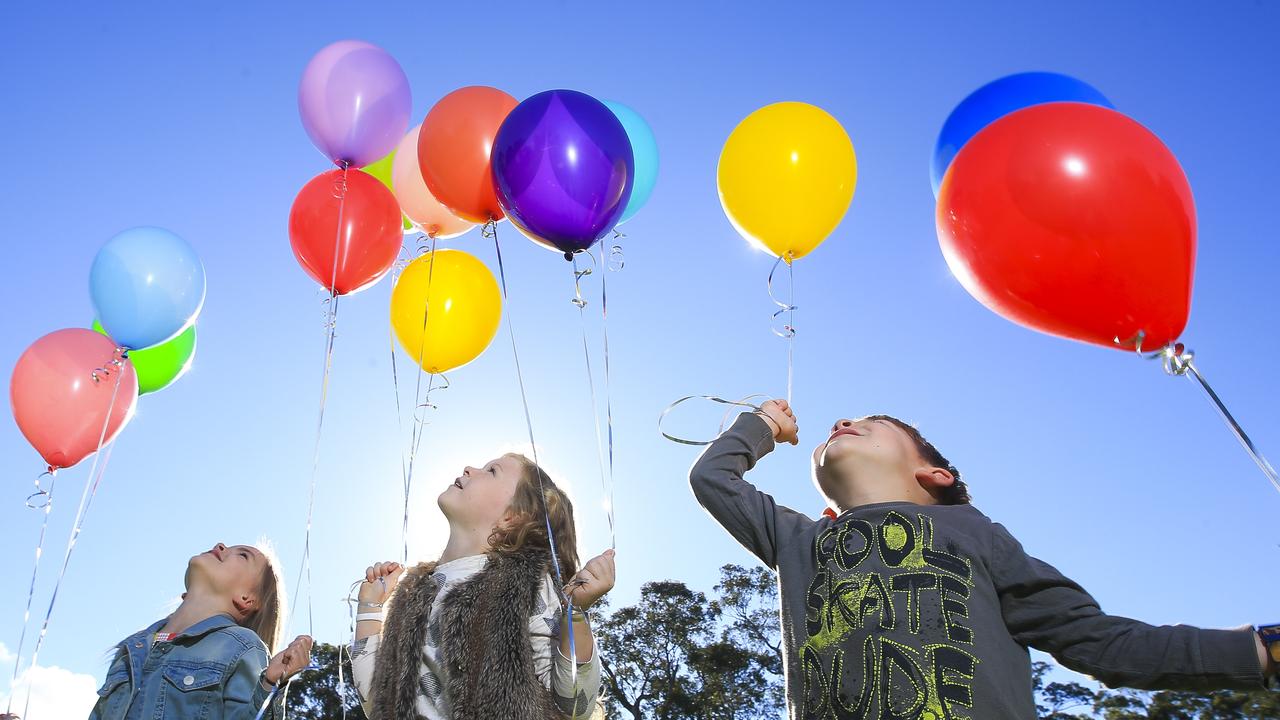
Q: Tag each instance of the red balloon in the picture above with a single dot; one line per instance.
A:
(58, 404)
(368, 240)
(454, 146)
(1074, 220)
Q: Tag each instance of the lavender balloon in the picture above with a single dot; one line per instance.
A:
(563, 168)
(354, 101)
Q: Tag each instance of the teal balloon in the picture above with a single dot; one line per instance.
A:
(644, 148)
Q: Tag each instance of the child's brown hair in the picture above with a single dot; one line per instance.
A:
(530, 525)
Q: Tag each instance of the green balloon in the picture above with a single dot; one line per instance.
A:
(158, 367)
(381, 169)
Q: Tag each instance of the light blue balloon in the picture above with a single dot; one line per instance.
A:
(147, 286)
(645, 150)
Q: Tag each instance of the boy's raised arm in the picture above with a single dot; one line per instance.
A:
(751, 517)
(1047, 611)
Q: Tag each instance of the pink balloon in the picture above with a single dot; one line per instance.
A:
(59, 406)
(416, 201)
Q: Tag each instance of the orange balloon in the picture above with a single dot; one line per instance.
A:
(453, 150)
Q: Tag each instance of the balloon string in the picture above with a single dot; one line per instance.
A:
(420, 402)
(788, 331)
(46, 504)
(724, 421)
(1178, 360)
(608, 390)
(331, 323)
(96, 471)
(606, 479)
(490, 230)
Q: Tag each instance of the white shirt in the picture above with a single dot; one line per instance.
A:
(555, 670)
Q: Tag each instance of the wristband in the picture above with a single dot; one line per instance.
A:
(370, 617)
(370, 605)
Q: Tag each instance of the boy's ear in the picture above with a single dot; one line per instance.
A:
(934, 478)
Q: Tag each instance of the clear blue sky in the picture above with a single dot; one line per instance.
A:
(187, 118)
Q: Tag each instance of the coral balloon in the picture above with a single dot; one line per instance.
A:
(463, 306)
(58, 404)
(1073, 220)
(786, 177)
(416, 200)
(358, 217)
(453, 150)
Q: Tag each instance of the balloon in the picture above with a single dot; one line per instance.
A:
(786, 177)
(370, 236)
(999, 98)
(453, 150)
(1074, 220)
(381, 170)
(563, 167)
(464, 309)
(160, 366)
(147, 285)
(354, 101)
(644, 149)
(59, 406)
(417, 202)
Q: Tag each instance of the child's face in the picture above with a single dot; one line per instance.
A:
(863, 448)
(234, 571)
(479, 497)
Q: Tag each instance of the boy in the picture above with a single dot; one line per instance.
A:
(911, 604)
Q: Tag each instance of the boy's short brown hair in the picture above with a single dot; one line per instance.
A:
(955, 494)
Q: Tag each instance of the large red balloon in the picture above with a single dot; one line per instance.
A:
(454, 144)
(1074, 220)
(368, 240)
(59, 406)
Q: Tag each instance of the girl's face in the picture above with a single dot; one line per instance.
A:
(235, 572)
(480, 497)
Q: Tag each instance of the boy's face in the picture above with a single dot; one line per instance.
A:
(866, 450)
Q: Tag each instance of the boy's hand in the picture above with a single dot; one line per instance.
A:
(777, 413)
(290, 661)
(592, 581)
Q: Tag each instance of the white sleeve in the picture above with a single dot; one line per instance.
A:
(364, 655)
(576, 689)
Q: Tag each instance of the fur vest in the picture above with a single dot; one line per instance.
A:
(484, 641)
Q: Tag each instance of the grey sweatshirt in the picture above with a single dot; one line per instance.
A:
(897, 610)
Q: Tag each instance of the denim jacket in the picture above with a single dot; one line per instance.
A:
(210, 671)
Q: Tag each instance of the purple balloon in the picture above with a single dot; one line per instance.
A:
(354, 101)
(563, 169)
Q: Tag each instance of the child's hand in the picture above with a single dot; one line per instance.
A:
(592, 581)
(781, 420)
(379, 580)
(290, 661)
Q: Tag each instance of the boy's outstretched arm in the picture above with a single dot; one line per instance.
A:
(751, 517)
(1047, 611)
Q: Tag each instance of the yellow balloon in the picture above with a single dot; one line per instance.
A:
(786, 177)
(464, 311)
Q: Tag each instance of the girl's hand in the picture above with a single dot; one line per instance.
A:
(777, 413)
(592, 581)
(290, 661)
(379, 580)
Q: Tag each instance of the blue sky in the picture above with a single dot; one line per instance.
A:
(1122, 477)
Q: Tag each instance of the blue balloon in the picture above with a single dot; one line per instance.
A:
(644, 148)
(147, 286)
(999, 98)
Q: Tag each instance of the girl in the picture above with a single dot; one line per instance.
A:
(480, 634)
(209, 658)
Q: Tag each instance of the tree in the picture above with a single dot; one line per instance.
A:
(319, 695)
(676, 656)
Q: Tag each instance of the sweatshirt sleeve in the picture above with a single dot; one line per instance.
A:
(1047, 611)
(751, 517)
